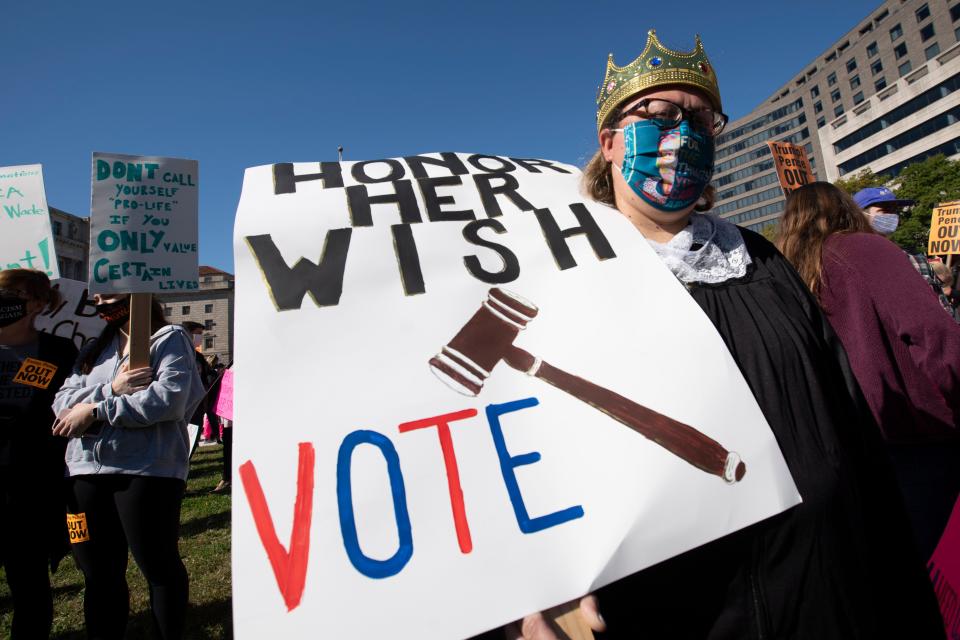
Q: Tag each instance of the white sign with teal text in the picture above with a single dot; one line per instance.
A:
(26, 240)
(143, 224)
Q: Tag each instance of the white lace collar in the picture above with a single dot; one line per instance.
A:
(721, 252)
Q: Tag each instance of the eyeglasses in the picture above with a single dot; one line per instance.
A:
(668, 115)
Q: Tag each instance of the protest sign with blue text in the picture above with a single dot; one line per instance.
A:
(26, 239)
(143, 224)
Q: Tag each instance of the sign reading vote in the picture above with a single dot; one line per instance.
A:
(143, 224)
(945, 229)
(486, 396)
(26, 239)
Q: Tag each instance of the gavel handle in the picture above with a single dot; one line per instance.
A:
(567, 617)
(676, 437)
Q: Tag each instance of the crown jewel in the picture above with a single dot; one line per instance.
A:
(656, 66)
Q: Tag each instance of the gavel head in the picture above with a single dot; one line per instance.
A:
(469, 358)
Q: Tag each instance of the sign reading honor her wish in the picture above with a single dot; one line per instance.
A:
(143, 224)
(26, 240)
(494, 398)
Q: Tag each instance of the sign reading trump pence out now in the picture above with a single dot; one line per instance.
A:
(143, 224)
(486, 389)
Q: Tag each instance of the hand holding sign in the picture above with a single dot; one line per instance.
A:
(130, 381)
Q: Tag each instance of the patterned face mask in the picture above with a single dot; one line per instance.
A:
(885, 223)
(116, 313)
(667, 168)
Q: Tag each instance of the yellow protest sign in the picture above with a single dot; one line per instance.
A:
(793, 167)
(35, 373)
(945, 229)
(77, 526)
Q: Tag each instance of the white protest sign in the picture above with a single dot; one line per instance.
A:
(26, 239)
(457, 377)
(143, 224)
(75, 317)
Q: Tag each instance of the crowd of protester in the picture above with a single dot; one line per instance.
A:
(850, 346)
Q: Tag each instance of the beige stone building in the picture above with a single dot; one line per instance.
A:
(71, 240)
(211, 305)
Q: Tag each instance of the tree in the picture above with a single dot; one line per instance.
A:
(930, 182)
(862, 180)
(771, 231)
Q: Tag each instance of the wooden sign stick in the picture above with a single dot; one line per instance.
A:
(567, 617)
(140, 326)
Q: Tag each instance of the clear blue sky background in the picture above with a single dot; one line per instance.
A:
(239, 84)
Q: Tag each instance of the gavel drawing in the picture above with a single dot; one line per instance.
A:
(487, 338)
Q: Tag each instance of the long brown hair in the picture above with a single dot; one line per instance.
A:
(813, 213)
(35, 284)
(88, 356)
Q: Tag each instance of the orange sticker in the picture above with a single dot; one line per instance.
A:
(77, 526)
(35, 373)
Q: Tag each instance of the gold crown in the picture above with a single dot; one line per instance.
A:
(656, 66)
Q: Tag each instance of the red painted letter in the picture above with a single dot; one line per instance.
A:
(442, 423)
(289, 568)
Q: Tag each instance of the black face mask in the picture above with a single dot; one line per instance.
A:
(12, 309)
(116, 313)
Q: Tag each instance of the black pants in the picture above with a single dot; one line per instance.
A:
(24, 548)
(227, 439)
(144, 513)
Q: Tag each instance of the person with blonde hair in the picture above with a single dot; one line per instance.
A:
(904, 350)
(840, 565)
(33, 365)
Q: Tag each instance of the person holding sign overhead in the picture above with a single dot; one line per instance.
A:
(904, 349)
(839, 565)
(33, 365)
(127, 461)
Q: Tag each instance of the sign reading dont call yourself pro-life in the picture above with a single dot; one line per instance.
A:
(143, 224)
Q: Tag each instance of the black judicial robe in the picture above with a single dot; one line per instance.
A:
(843, 563)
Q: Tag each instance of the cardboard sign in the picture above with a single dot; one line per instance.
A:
(77, 527)
(468, 396)
(944, 230)
(143, 224)
(793, 167)
(26, 238)
(944, 569)
(224, 404)
(35, 373)
(75, 317)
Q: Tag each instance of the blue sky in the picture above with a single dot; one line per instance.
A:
(238, 84)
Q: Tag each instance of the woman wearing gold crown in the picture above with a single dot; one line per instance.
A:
(840, 565)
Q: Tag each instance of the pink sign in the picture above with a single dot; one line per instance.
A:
(945, 572)
(224, 405)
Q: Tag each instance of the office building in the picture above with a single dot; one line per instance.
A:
(71, 241)
(882, 96)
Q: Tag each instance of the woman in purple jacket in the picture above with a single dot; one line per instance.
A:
(904, 350)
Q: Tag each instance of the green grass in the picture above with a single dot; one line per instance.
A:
(204, 547)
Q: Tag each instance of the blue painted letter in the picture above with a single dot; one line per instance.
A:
(508, 463)
(348, 526)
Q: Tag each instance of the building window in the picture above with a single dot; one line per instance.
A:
(900, 50)
(57, 228)
(72, 231)
(831, 57)
(956, 32)
(955, 12)
(923, 13)
(872, 49)
(817, 106)
(167, 311)
(835, 95)
(905, 68)
(880, 84)
(926, 33)
(867, 28)
(858, 97)
(932, 50)
(185, 310)
(208, 325)
(832, 79)
(208, 343)
(854, 82)
(838, 110)
(880, 16)
(843, 47)
(208, 308)
(876, 67)
(815, 91)
(851, 65)
(896, 32)
(820, 122)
